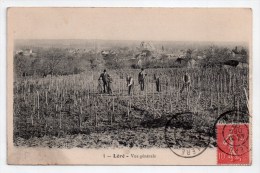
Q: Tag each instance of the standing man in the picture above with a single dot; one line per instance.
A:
(109, 85)
(130, 83)
(105, 78)
(141, 77)
(99, 87)
(157, 82)
(186, 80)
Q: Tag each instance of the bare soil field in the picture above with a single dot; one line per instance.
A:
(68, 111)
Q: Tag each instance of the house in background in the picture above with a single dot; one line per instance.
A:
(26, 52)
(191, 63)
(242, 65)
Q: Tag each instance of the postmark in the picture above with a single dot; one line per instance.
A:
(184, 138)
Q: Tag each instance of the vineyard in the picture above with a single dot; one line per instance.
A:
(69, 111)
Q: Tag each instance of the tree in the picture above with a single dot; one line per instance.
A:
(91, 60)
(216, 56)
(19, 64)
(188, 53)
(22, 65)
(162, 48)
(235, 50)
(53, 57)
(243, 51)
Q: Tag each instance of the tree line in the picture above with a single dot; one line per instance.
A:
(58, 61)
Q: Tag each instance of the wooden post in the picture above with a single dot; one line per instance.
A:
(130, 104)
(38, 103)
(80, 116)
(95, 114)
(247, 99)
(113, 103)
(224, 83)
(89, 91)
(234, 102)
(218, 105)
(199, 83)
(60, 119)
(230, 82)
(56, 110)
(32, 119)
(119, 87)
(127, 109)
(234, 83)
(170, 103)
(153, 91)
(46, 97)
(220, 79)
(111, 118)
(197, 102)
(211, 99)
(187, 100)
(237, 109)
(177, 97)
(146, 97)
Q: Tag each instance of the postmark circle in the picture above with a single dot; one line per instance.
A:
(232, 132)
(183, 138)
(237, 135)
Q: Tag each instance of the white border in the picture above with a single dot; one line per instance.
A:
(254, 4)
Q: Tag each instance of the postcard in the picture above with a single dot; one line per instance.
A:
(129, 86)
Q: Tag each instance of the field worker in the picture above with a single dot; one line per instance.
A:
(186, 80)
(109, 85)
(105, 78)
(99, 88)
(130, 83)
(141, 77)
(157, 82)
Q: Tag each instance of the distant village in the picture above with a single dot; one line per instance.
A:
(146, 55)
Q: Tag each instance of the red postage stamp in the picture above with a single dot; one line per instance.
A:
(233, 144)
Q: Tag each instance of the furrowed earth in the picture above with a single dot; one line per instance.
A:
(68, 111)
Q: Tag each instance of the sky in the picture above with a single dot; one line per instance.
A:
(161, 24)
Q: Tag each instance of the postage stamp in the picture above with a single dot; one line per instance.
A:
(129, 86)
(233, 144)
(233, 138)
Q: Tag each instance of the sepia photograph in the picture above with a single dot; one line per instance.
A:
(129, 86)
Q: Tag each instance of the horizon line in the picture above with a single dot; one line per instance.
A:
(145, 40)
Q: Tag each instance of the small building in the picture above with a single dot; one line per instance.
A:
(139, 63)
(242, 65)
(180, 61)
(172, 56)
(201, 57)
(26, 52)
(19, 52)
(191, 63)
(232, 63)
